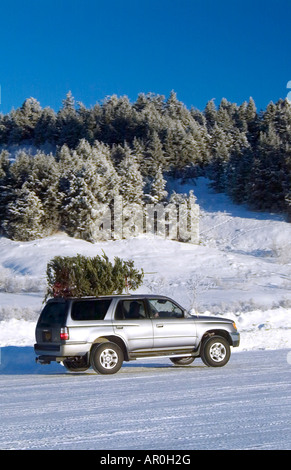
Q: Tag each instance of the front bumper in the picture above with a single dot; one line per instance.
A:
(235, 339)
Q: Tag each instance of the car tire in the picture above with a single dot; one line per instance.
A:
(106, 358)
(182, 361)
(76, 366)
(215, 351)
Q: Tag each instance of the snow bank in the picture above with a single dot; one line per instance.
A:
(269, 329)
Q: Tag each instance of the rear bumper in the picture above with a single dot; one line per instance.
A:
(47, 353)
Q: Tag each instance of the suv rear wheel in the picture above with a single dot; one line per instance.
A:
(106, 358)
(79, 365)
(215, 351)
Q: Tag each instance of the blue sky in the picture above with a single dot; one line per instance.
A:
(201, 49)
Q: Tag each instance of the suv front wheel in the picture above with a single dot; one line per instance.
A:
(182, 361)
(215, 351)
(106, 358)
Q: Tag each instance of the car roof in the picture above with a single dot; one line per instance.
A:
(112, 296)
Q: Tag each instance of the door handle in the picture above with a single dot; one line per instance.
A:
(119, 327)
(160, 325)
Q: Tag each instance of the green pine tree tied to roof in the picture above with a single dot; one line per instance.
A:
(81, 276)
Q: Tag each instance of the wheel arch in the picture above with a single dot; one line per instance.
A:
(113, 339)
(217, 332)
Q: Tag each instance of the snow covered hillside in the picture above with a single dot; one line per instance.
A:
(241, 269)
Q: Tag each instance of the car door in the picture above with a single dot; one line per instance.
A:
(133, 325)
(172, 329)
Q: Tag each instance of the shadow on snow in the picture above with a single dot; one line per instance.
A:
(20, 360)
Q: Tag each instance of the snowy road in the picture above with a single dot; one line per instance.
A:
(150, 405)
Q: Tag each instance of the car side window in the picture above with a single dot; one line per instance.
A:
(163, 308)
(86, 310)
(130, 309)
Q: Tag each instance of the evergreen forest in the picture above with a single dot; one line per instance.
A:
(131, 149)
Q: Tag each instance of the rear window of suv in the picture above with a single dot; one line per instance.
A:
(53, 314)
(90, 309)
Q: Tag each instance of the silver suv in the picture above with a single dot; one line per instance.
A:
(102, 332)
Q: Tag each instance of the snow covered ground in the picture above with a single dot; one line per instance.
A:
(241, 269)
(150, 405)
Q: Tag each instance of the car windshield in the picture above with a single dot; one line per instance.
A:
(53, 314)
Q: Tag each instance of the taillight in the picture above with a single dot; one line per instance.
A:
(64, 333)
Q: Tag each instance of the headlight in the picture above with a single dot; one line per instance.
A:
(234, 325)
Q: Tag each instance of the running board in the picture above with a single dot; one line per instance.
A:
(160, 354)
